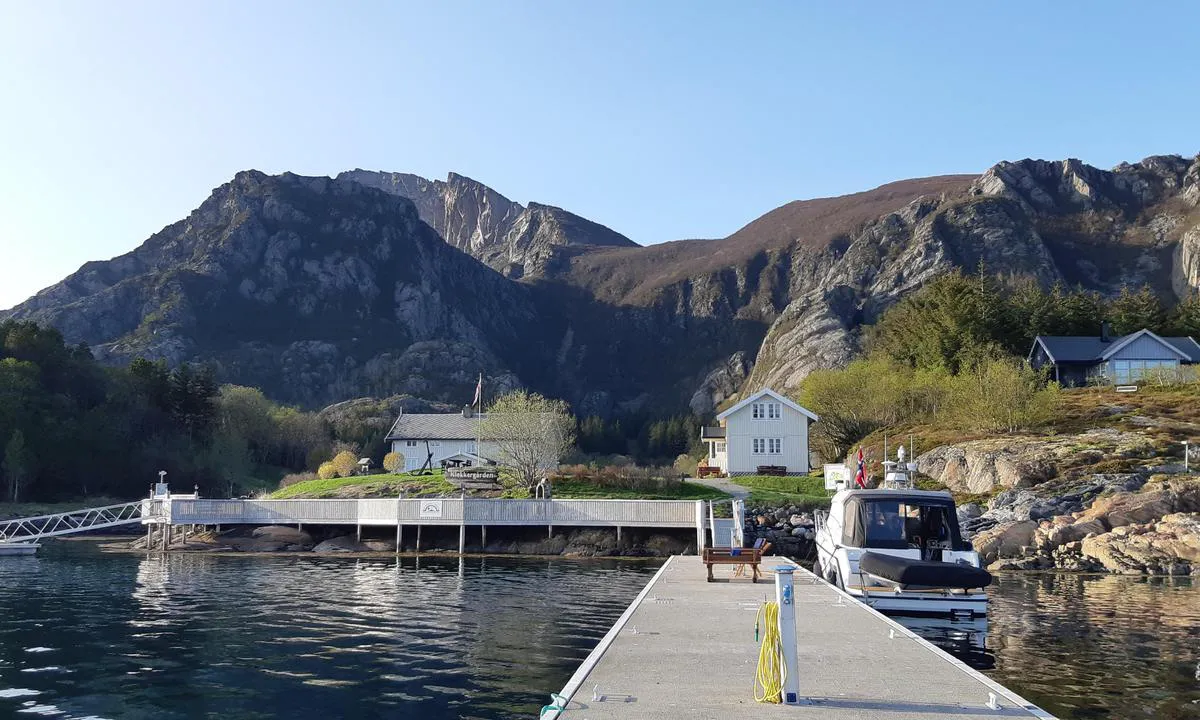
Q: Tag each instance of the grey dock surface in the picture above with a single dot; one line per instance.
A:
(685, 649)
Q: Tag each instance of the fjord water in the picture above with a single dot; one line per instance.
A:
(85, 634)
(1087, 646)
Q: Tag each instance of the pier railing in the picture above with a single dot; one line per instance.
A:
(436, 511)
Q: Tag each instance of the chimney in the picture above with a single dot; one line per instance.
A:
(468, 411)
(1105, 332)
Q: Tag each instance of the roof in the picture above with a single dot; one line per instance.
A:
(767, 392)
(887, 494)
(1186, 345)
(1089, 349)
(434, 426)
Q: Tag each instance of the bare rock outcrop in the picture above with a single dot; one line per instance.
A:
(983, 466)
(1167, 546)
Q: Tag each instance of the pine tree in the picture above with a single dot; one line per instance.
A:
(1132, 311)
(16, 465)
(1185, 318)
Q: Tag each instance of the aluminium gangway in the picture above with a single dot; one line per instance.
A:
(24, 531)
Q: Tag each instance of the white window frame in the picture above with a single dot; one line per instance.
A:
(759, 446)
(774, 446)
(719, 447)
(410, 443)
(766, 411)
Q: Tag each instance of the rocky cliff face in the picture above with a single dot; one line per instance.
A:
(513, 239)
(313, 289)
(387, 284)
(1052, 221)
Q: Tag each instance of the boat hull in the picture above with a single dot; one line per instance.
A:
(974, 605)
(18, 549)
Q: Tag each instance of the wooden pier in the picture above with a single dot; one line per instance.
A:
(686, 648)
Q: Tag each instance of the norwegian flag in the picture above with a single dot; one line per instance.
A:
(860, 477)
(477, 402)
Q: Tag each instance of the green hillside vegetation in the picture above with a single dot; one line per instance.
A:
(946, 364)
(806, 492)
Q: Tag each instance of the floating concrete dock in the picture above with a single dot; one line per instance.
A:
(686, 648)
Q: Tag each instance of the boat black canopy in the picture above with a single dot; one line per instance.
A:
(890, 519)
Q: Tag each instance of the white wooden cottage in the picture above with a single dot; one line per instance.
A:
(764, 430)
(442, 437)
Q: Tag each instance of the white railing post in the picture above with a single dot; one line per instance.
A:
(699, 527)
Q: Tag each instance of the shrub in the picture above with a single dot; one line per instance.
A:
(294, 478)
(626, 477)
(867, 395)
(685, 464)
(327, 471)
(393, 462)
(1004, 396)
(344, 463)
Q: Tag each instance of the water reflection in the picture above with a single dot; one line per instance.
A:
(965, 639)
(1088, 646)
(256, 637)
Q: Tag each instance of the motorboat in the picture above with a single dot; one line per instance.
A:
(18, 548)
(899, 549)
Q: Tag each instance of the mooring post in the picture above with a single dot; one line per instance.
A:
(787, 633)
(418, 538)
(399, 526)
(483, 537)
(359, 533)
(149, 538)
(618, 535)
(462, 539)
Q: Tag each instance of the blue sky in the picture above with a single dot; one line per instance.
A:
(663, 120)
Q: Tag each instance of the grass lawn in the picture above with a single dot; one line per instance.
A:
(383, 485)
(389, 485)
(806, 491)
(579, 490)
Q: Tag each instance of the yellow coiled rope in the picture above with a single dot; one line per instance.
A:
(772, 671)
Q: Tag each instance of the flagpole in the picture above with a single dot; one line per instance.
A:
(479, 419)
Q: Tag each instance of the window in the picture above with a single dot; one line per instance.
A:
(766, 411)
(765, 446)
(720, 447)
(410, 443)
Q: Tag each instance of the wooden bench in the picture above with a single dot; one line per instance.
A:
(776, 470)
(726, 556)
(704, 471)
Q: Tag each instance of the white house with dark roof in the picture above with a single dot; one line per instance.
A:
(1124, 360)
(441, 437)
(764, 430)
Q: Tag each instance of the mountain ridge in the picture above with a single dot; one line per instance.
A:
(323, 289)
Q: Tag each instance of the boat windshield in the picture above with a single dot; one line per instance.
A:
(903, 523)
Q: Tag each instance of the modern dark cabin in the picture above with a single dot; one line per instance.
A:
(1124, 360)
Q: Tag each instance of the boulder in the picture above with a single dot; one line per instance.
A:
(1170, 546)
(341, 544)
(1131, 508)
(1006, 540)
(282, 534)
